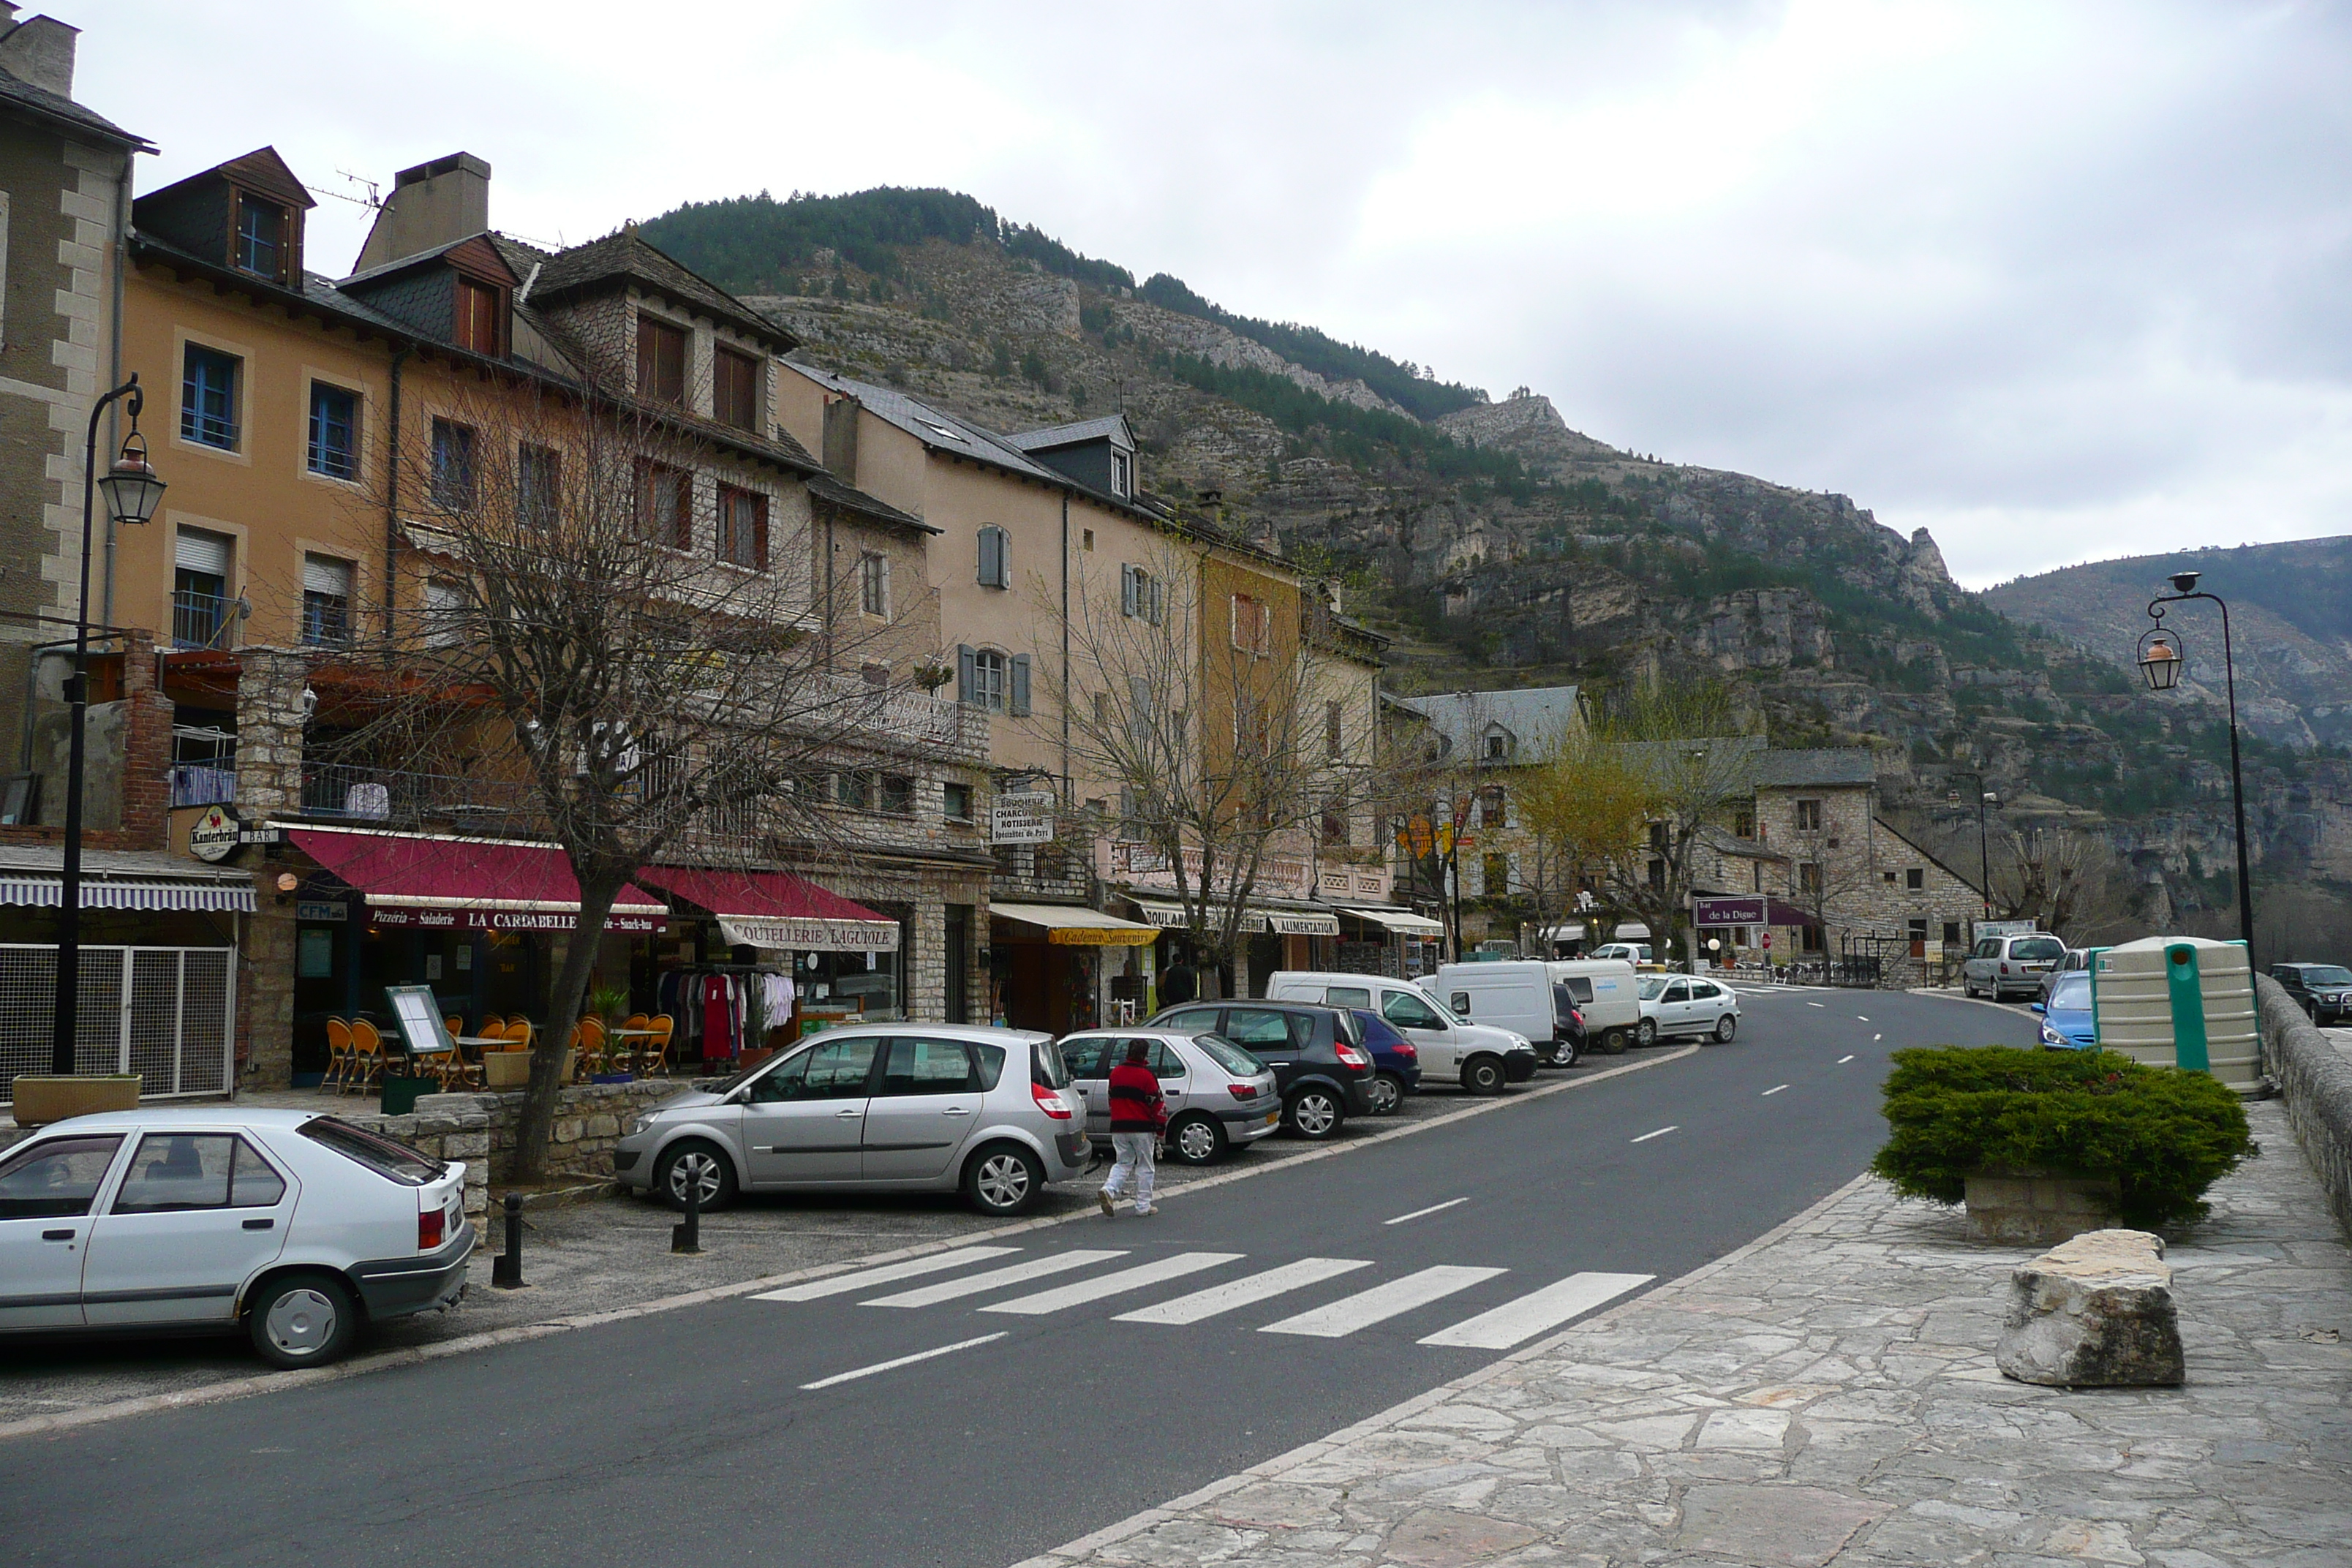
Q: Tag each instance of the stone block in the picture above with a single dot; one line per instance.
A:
(2095, 1312)
(603, 1125)
(2039, 1208)
(568, 1129)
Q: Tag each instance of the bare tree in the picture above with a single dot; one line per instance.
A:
(1585, 805)
(2067, 882)
(1207, 716)
(1685, 744)
(613, 622)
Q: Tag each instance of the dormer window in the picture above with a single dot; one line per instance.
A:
(735, 390)
(260, 237)
(1122, 474)
(477, 323)
(661, 360)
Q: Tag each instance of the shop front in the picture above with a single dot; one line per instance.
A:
(1292, 935)
(1060, 967)
(1396, 942)
(1742, 927)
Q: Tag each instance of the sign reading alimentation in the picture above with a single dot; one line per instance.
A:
(1023, 818)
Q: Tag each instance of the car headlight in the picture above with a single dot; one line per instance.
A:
(2051, 1037)
(643, 1123)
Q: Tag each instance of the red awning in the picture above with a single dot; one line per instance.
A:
(484, 884)
(1786, 914)
(778, 910)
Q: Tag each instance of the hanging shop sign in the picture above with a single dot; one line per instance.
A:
(1729, 911)
(215, 834)
(1024, 818)
(321, 909)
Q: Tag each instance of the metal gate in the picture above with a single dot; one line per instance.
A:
(168, 1013)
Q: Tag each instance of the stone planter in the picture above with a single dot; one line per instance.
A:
(40, 1099)
(2040, 1208)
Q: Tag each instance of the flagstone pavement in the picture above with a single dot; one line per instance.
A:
(1828, 1396)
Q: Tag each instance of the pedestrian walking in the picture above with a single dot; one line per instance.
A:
(1137, 1116)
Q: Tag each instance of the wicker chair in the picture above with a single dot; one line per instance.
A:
(342, 1068)
(367, 1051)
(656, 1055)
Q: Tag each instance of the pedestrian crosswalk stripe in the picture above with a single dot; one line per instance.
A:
(993, 1279)
(842, 1284)
(1125, 1279)
(1531, 1314)
(1246, 1291)
(1381, 1302)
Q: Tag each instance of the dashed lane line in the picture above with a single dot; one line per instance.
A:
(1433, 1209)
(1773, 1091)
(1660, 1133)
(1843, 1060)
(902, 1360)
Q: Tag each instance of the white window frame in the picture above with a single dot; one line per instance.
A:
(873, 584)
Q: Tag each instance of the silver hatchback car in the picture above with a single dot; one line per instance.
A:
(902, 1107)
(1219, 1096)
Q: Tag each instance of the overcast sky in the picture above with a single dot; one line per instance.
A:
(2056, 281)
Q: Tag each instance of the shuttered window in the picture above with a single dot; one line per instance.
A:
(742, 528)
(665, 504)
(735, 390)
(661, 360)
(478, 316)
(326, 601)
(995, 559)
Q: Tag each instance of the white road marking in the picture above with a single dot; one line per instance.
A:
(995, 1278)
(1383, 1302)
(1531, 1314)
(1816, 1004)
(1843, 1060)
(1430, 1209)
(1875, 1038)
(841, 1284)
(1773, 1091)
(1660, 1133)
(902, 1360)
(1859, 1017)
(1094, 1289)
(1235, 1293)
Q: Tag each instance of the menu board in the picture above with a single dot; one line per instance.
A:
(418, 1015)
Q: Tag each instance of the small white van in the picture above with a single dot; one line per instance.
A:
(1605, 991)
(1483, 1060)
(1516, 994)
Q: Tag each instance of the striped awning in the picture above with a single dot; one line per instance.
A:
(101, 892)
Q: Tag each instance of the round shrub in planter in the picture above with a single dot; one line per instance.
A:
(2161, 1135)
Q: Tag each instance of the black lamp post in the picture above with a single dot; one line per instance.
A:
(2161, 655)
(132, 491)
(1985, 797)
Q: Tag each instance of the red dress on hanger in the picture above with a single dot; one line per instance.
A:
(718, 1021)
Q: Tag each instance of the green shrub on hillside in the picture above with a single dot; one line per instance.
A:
(2163, 1135)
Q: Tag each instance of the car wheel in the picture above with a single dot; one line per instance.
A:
(1003, 1179)
(1484, 1075)
(1565, 1054)
(1313, 1113)
(1968, 988)
(1646, 1031)
(302, 1319)
(1195, 1140)
(1387, 1094)
(1725, 1028)
(1612, 1043)
(692, 1163)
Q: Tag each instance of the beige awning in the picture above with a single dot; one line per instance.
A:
(1404, 920)
(1075, 925)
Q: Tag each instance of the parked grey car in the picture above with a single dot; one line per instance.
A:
(1999, 966)
(1219, 1096)
(937, 1107)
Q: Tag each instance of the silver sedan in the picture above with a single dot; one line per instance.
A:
(1219, 1097)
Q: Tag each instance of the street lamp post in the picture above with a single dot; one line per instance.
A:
(2161, 655)
(1985, 797)
(132, 491)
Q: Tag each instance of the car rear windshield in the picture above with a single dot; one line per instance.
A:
(2034, 949)
(381, 1156)
(2327, 975)
(2070, 992)
(1229, 1055)
(1046, 1065)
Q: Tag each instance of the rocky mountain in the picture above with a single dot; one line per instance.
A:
(1499, 547)
(2291, 620)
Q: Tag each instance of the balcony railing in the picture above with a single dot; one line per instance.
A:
(389, 797)
(200, 784)
(197, 619)
(914, 718)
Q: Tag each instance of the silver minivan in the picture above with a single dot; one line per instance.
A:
(1999, 965)
(906, 1107)
(1219, 1097)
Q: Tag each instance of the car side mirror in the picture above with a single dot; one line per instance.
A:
(737, 1097)
(2040, 1008)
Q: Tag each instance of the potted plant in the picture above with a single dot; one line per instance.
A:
(609, 1003)
(2043, 1145)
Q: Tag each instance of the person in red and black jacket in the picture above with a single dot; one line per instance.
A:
(1138, 1115)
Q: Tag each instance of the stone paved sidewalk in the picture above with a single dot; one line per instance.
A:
(1828, 1395)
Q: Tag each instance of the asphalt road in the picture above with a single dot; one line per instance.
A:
(689, 1436)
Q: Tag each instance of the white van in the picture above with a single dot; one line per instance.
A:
(1605, 993)
(1516, 994)
(1451, 1049)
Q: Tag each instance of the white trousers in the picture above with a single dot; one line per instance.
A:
(1134, 1153)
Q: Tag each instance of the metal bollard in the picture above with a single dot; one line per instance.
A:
(506, 1269)
(687, 1234)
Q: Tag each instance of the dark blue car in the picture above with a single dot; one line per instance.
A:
(2066, 1017)
(1396, 1063)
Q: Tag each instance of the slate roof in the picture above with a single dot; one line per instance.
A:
(826, 488)
(624, 258)
(39, 101)
(1535, 716)
(1844, 765)
(1111, 426)
(938, 429)
(1726, 842)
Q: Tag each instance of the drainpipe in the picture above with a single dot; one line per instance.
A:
(114, 368)
(1066, 651)
(830, 650)
(391, 493)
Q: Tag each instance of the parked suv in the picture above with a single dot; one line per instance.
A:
(1316, 1053)
(1219, 1097)
(1999, 966)
(1453, 1048)
(926, 1107)
(2322, 990)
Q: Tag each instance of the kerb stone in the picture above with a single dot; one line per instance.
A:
(2096, 1312)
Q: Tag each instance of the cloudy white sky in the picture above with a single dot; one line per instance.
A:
(2056, 281)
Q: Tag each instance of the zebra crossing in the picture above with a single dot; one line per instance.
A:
(1111, 1272)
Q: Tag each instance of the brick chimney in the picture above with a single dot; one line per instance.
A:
(431, 205)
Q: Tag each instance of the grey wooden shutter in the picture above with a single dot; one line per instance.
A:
(966, 675)
(995, 568)
(1018, 698)
(1128, 594)
(1158, 610)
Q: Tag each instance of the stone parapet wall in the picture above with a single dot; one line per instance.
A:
(589, 1120)
(2316, 1081)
